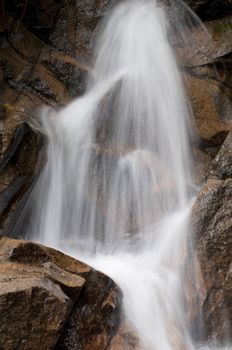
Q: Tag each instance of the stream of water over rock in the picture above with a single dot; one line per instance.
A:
(117, 187)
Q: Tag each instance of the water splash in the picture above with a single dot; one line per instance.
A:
(151, 285)
(116, 188)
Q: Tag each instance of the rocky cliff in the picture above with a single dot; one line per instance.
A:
(44, 59)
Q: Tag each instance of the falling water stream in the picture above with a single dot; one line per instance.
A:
(117, 188)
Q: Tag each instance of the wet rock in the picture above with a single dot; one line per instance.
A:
(125, 339)
(95, 318)
(205, 44)
(25, 76)
(73, 29)
(16, 69)
(38, 16)
(220, 35)
(208, 9)
(63, 35)
(43, 294)
(212, 233)
(20, 158)
(212, 112)
(221, 167)
(66, 69)
(26, 84)
(47, 86)
(44, 56)
(208, 81)
(2, 16)
(212, 226)
(200, 165)
(35, 299)
(32, 311)
(26, 44)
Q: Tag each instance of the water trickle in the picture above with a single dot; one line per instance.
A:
(116, 186)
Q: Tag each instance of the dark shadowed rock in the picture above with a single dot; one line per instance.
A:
(32, 74)
(211, 9)
(95, 318)
(19, 166)
(38, 16)
(44, 57)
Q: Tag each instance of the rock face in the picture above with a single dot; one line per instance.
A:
(44, 57)
(40, 63)
(95, 317)
(125, 339)
(212, 230)
(211, 9)
(208, 82)
(49, 300)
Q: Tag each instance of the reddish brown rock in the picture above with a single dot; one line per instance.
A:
(38, 65)
(36, 73)
(125, 339)
(206, 43)
(43, 293)
(36, 296)
(211, 107)
(95, 318)
(208, 81)
(33, 311)
(212, 233)
(211, 110)
(221, 166)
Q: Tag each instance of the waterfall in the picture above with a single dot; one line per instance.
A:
(116, 188)
(118, 157)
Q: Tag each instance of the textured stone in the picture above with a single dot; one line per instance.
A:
(212, 233)
(36, 296)
(44, 54)
(32, 309)
(205, 44)
(95, 318)
(125, 339)
(221, 167)
(211, 110)
(49, 300)
(211, 9)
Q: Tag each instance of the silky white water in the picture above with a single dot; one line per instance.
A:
(116, 188)
(118, 157)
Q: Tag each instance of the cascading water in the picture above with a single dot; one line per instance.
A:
(118, 157)
(116, 187)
